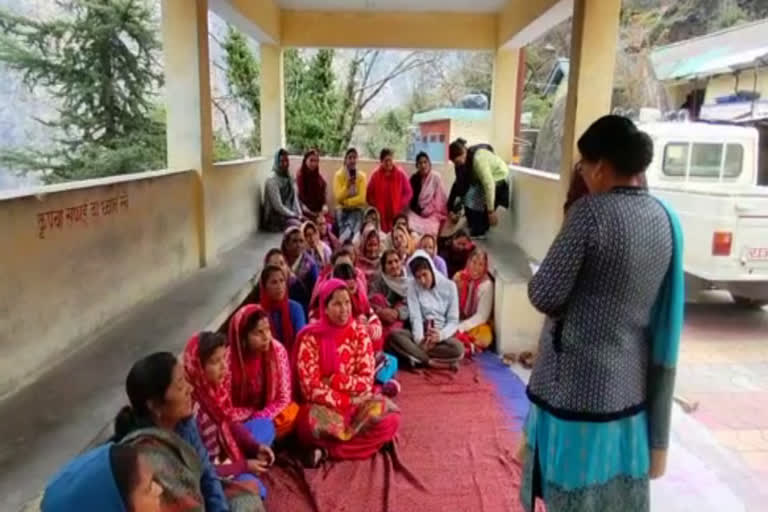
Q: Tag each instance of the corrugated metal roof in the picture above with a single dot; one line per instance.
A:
(460, 114)
(720, 52)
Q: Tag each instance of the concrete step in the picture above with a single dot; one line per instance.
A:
(72, 406)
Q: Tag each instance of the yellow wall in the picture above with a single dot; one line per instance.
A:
(474, 132)
(726, 84)
(59, 284)
(535, 217)
(233, 190)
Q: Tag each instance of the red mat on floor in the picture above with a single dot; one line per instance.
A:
(454, 453)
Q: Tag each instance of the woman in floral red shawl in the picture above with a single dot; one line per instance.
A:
(260, 367)
(340, 413)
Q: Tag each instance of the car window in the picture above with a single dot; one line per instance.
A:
(706, 159)
(734, 160)
(675, 159)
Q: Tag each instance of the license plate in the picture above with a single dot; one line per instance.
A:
(757, 254)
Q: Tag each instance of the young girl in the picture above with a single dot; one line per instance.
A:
(237, 444)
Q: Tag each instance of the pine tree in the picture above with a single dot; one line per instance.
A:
(100, 63)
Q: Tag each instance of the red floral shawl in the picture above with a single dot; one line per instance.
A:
(215, 401)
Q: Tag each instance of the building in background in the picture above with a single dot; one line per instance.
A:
(436, 129)
(721, 77)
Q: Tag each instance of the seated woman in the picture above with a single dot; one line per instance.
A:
(302, 265)
(428, 243)
(433, 310)
(316, 248)
(296, 289)
(340, 414)
(286, 316)
(110, 478)
(401, 220)
(475, 300)
(281, 197)
(159, 422)
(237, 442)
(400, 241)
(456, 252)
(327, 236)
(388, 291)
(312, 188)
(369, 251)
(261, 372)
(370, 216)
(361, 308)
(388, 189)
(428, 204)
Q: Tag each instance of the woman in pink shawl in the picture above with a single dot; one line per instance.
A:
(428, 205)
(340, 414)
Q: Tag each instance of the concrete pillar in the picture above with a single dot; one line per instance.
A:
(188, 100)
(504, 102)
(594, 38)
(272, 100)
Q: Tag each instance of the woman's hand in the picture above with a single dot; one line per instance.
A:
(257, 467)
(266, 454)
(658, 464)
(388, 315)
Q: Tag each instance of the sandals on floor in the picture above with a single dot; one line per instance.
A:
(527, 359)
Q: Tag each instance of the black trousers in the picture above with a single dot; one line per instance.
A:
(478, 220)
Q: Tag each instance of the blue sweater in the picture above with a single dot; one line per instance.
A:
(213, 492)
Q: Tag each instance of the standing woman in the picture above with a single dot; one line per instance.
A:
(340, 414)
(428, 204)
(160, 424)
(261, 372)
(601, 388)
(312, 187)
(286, 316)
(318, 249)
(475, 299)
(302, 265)
(389, 190)
(281, 197)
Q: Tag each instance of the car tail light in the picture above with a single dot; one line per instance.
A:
(721, 243)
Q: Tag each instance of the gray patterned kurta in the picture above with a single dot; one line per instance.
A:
(598, 285)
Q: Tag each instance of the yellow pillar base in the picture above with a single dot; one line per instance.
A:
(594, 38)
(504, 102)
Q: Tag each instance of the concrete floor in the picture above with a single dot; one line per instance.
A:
(718, 458)
(56, 417)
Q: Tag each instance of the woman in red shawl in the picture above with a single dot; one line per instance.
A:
(237, 442)
(475, 289)
(389, 190)
(260, 366)
(286, 316)
(312, 187)
(340, 414)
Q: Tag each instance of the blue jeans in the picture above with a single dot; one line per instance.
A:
(263, 431)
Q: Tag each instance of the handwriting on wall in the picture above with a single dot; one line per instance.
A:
(80, 213)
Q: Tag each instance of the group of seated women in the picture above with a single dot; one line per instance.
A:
(307, 364)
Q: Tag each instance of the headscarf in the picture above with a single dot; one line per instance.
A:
(216, 401)
(326, 332)
(321, 258)
(87, 482)
(279, 306)
(284, 180)
(390, 193)
(398, 284)
(408, 241)
(457, 260)
(260, 370)
(365, 263)
(311, 184)
(302, 265)
(468, 287)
